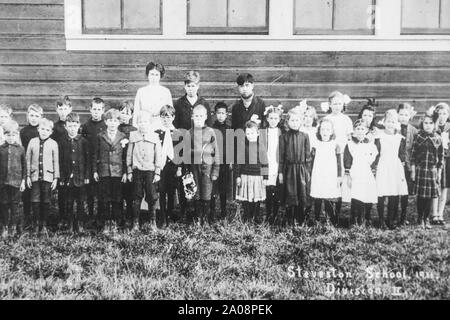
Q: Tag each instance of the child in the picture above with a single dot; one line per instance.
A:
(109, 167)
(294, 167)
(426, 165)
(170, 172)
(5, 116)
(13, 171)
(441, 119)
(144, 162)
(390, 176)
(359, 155)
(90, 130)
(204, 161)
(34, 115)
(326, 173)
(343, 126)
(273, 132)
(42, 174)
(310, 125)
(252, 174)
(223, 185)
(185, 105)
(367, 114)
(75, 169)
(63, 108)
(126, 115)
(249, 106)
(405, 113)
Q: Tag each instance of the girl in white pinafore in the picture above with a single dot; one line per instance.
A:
(391, 182)
(327, 171)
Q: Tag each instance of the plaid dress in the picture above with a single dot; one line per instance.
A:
(427, 155)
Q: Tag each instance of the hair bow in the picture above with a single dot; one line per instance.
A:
(271, 107)
(325, 106)
(346, 98)
(430, 111)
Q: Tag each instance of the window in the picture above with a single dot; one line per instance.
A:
(426, 17)
(228, 16)
(353, 17)
(122, 16)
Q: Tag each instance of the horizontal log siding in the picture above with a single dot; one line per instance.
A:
(35, 68)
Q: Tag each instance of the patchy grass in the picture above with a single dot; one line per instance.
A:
(230, 260)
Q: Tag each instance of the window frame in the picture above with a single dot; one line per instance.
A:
(122, 30)
(425, 31)
(227, 30)
(313, 31)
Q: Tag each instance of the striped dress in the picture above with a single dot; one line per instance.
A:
(427, 155)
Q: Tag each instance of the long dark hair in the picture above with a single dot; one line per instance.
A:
(371, 106)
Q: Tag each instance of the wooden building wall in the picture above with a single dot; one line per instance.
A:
(36, 68)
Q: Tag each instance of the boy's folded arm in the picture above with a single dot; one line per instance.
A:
(158, 158)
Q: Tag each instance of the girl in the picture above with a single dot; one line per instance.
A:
(326, 174)
(273, 117)
(359, 155)
(252, 176)
(405, 113)
(343, 126)
(426, 165)
(294, 167)
(310, 125)
(440, 117)
(390, 177)
(367, 114)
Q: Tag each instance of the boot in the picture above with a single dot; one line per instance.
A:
(153, 226)
(196, 215)
(4, 233)
(44, 231)
(107, 227)
(13, 231)
(135, 225)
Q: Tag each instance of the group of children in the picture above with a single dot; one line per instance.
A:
(283, 159)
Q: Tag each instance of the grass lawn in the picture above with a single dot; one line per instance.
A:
(230, 260)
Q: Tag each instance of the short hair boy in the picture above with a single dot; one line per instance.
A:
(109, 167)
(170, 171)
(144, 161)
(42, 173)
(90, 130)
(204, 162)
(12, 179)
(5, 116)
(185, 105)
(223, 186)
(249, 106)
(126, 115)
(30, 131)
(75, 166)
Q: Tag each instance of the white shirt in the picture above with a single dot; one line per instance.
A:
(151, 99)
(343, 128)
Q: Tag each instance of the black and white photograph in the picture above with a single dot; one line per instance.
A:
(224, 155)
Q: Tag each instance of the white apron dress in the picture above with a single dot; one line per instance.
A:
(324, 182)
(390, 172)
(363, 186)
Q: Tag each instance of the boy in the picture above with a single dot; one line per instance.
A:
(185, 105)
(75, 171)
(42, 173)
(249, 106)
(63, 108)
(126, 114)
(170, 172)
(90, 131)
(222, 185)
(109, 167)
(12, 179)
(5, 116)
(34, 115)
(144, 161)
(204, 162)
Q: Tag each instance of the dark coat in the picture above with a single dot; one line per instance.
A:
(240, 115)
(27, 133)
(110, 157)
(59, 131)
(13, 165)
(295, 165)
(90, 131)
(183, 112)
(74, 160)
